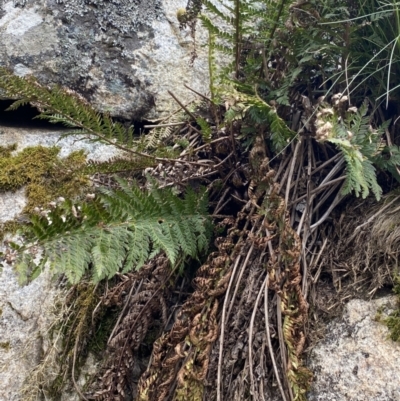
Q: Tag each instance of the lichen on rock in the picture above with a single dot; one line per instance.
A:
(118, 54)
(357, 360)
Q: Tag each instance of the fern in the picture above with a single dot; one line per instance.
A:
(206, 132)
(256, 111)
(62, 106)
(362, 147)
(117, 232)
(230, 25)
(389, 159)
(360, 172)
(59, 105)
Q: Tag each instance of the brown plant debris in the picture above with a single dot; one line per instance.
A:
(143, 298)
(180, 357)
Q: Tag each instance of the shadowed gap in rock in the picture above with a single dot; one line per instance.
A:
(27, 117)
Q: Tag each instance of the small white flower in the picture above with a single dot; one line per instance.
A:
(352, 109)
(324, 131)
(327, 126)
(327, 110)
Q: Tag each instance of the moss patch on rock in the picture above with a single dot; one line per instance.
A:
(5, 346)
(393, 320)
(43, 173)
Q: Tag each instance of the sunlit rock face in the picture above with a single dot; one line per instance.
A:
(122, 55)
(357, 361)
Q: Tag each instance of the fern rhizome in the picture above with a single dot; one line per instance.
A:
(291, 128)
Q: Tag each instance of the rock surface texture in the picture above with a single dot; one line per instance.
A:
(356, 361)
(24, 322)
(122, 55)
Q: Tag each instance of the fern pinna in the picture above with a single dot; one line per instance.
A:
(118, 231)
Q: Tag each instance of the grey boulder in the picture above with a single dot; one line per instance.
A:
(122, 55)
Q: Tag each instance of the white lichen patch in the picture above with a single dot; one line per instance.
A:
(357, 361)
(25, 32)
(10, 13)
(11, 204)
(22, 23)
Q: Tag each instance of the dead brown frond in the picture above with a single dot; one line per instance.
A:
(143, 299)
(180, 357)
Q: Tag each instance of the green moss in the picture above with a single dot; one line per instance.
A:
(54, 391)
(45, 175)
(43, 172)
(5, 151)
(10, 226)
(393, 324)
(393, 320)
(29, 165)
(98, 342)
(5, 345)
(379, 312)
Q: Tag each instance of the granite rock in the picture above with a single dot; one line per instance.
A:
(122, 55)
(357, 361)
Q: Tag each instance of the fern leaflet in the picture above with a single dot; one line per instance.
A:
(118, 231)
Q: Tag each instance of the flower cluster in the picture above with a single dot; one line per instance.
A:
(326, 115)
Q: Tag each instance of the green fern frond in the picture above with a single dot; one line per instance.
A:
(214, 29)
(117, 165)
(362, 148)
(206, 132)
(261, 113)
(214, 10)
(388, 159)
(59, 105)
(118, 232)
(360, 172)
